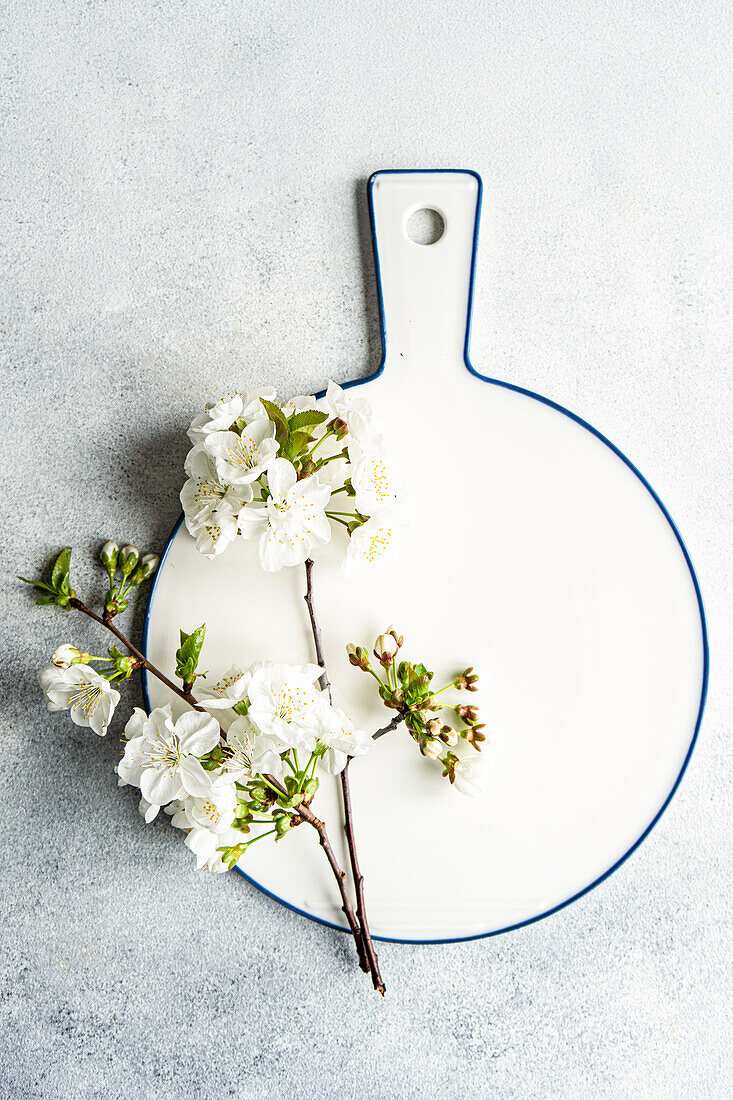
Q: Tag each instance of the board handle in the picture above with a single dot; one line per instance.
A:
(425, 290)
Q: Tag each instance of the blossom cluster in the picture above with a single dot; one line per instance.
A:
(270, 469)
(225, 789)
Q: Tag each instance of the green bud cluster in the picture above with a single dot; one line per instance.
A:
(124, 664)
(132, 569)
(262, 801)
(407, 687)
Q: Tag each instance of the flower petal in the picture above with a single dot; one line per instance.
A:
(281, 477)
(198, 733)
(160, 787)
(194, 779)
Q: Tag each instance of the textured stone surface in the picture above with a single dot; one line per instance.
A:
(182, 210)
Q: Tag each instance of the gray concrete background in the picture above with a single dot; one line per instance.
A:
(182, 211)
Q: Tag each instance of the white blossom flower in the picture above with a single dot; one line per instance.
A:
(218, 416)
(215, 534)
(355, 411)
(335, 729)
(203, 495)
(250, 753)
(385, 647)
(214, 811)
(283, 703)
(240, 459)
(374, 541)
(226, 692)
(372, 480)
(89, 697)
(292, 522)
(66, 655)
(163, 759)
(470, 777)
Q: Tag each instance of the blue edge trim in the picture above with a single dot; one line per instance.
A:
(583, 424)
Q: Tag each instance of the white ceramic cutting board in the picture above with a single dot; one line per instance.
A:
(536, 552)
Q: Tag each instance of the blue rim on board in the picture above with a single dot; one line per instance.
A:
(578, 420)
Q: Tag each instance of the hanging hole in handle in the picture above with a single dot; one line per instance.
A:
(425, 226)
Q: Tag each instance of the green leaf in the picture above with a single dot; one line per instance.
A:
(415, 722)
(306, 419)
(37, 584)
(277, 416)
(60, 571)
(187, 655)
(298, 442)
(46, 599)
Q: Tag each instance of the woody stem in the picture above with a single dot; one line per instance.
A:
(367, 954)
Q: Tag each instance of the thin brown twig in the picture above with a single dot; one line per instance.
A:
(144, 663)
(361, 916)
(303, 810)
(367, 954)
(388, 728)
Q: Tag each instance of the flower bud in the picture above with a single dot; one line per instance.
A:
(475, 736)
(146, 568)
(433, 727)
(467, 681)
(432, 748)
(310, 789)
(127, 665)
(129, 557)
(67, 655)
(108, 556)
(358, 656)
(468, 713)
(399, 638)
(385, 648)
(449, 736)
(339, 427)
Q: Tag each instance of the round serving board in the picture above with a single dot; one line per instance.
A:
(536, 552)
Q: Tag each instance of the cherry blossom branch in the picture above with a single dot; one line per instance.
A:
(303, 810)
(368, 956)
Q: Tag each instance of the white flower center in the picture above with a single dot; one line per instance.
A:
(379, 480)
(289, 703)
(212, 811)
(238, 753)
(87, 697)
(377, 544)
(223, 685)
(207, 492)
(243, 453)
(163, 754)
